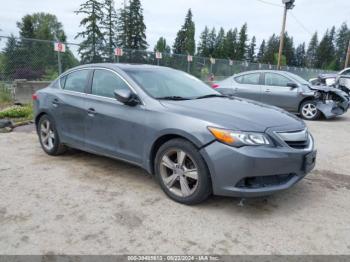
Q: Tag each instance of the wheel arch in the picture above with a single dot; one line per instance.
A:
(308, 98)
(38, 116)
(160, 140)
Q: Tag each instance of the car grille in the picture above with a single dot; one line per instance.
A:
(296, 139)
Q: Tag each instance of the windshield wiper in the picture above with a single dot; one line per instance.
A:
(172, 98)
(211, 95)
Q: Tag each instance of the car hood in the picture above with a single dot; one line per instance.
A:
(323, 88)
(324, 76)
(235, 113)
(329, 89)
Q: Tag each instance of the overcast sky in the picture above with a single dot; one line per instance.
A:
(165, 17)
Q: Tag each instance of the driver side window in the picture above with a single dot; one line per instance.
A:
(272, 79)
(105, 82)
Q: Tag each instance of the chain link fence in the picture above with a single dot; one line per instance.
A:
(34, 59)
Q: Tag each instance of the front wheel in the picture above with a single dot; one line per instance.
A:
(182, 172)
(309, 111)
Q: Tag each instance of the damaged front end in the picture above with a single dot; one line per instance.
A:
(330, 101)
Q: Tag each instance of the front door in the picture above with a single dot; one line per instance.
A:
(113, 128)
(276, 92)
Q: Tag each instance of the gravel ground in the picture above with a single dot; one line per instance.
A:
(79, 203)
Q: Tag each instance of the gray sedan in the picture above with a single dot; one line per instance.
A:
(193, 139)
(288, 91)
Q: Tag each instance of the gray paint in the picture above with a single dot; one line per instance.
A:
(284, 97)
(130, 132)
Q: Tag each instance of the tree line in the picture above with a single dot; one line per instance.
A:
(104, 28)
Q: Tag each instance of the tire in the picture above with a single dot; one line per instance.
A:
(177, 164)
(309, 111)
(48, 137)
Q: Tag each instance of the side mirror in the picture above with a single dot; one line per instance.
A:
(126, 97)
(292, 85)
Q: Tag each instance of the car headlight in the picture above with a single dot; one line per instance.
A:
(239, 138)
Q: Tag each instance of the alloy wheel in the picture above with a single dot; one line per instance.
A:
(47, 135)
(179, 172)
(309, 110)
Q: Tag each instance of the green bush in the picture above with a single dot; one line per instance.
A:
(17, 112)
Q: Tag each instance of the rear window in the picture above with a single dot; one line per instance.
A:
(76, 81)
(248, 79)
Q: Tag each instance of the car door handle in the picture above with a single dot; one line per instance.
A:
(236, 89)
(91, 111)
(267, 90)
(55, 102)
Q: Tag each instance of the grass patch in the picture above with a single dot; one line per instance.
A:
(5, 94)
(24, 112)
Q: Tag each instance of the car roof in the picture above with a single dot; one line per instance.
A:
(119, 66)
(263, 71)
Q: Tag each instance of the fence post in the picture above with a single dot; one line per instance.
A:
(59, 63)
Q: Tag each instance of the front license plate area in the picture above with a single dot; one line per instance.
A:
(310, 161)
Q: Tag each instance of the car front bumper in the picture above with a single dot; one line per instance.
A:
(255, 171)
(332, 108)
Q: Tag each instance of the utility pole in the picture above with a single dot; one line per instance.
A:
(347, 60)
(288, 4)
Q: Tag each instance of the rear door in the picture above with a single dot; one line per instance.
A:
(113, 128)
(248, 86)
(69, 107)
(276, 92)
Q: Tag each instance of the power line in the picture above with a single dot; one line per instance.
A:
(301, 24)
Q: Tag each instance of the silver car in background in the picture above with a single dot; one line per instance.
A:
(287, 91)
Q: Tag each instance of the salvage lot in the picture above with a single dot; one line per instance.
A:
(79, 203)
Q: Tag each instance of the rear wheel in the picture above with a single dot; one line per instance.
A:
(309, 111)
(182, 172)
(48, 136)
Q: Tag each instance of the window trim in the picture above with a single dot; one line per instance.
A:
(87, 91)
(91, 80)
(70, 72)
(245, 74)
(264, 79)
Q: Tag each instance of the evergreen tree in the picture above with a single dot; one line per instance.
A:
(261, 53)
(251, 51)
(219, 51)
(184, 41)
(11, 57)
(212, 41)
(271, 50)
(230, 44)
(342, 41)
(109, 23)
(325, 51)
(242, 43)
(289, 50)
(162, 46)
(131, 27)
(300, 55)
(203, 45)
(91, 48)
(311, 53)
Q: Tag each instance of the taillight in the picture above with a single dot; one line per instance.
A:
(215, 86)
(34, 96)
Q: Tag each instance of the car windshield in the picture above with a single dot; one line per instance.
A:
(170, 84)
(299, 79)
